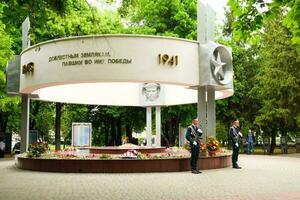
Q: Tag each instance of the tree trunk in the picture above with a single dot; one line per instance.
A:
(128, 132)
(58, 107)
(35, 110)
(2, 123)
(106, 131)
(167, 131)
(119, 131)
(176, 132)
(273, 141)
(113, 132)
(171, 133)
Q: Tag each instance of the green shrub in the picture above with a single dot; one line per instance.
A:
(36, 149)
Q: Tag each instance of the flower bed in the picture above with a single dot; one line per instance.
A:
(72, 153)
(72, 160)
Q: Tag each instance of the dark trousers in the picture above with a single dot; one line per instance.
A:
(235, 155)
(194, 157)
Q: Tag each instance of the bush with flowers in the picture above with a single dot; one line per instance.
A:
(202, 147)
(186, 145)
(38, 148)
(213, 146)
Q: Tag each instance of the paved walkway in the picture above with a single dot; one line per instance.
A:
(262, 178)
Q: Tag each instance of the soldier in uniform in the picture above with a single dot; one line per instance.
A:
(193, 135)
(235, 135)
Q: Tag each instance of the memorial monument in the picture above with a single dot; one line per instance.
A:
(125, 70)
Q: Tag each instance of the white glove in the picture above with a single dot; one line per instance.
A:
(199, 130)
(195, 143)
(237, 144)
(240, 133)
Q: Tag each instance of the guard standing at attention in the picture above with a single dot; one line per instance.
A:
(235, 135)
(193, 135)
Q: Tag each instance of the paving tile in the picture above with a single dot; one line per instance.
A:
(263, 177)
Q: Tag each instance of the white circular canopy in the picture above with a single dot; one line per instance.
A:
(112, 69)
(122, 94)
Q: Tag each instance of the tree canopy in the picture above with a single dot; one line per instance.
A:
(265, 40)
(251, 16)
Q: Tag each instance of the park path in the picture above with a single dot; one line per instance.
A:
(262, 178)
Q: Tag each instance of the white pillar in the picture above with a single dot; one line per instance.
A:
(25, 33)
(211, 112)
(202, 38)
(158, 126)
(25, 107)
(149, 125)
(201, 18)
(205, 30)
(210, 23)
(25, 123)
(201, 110)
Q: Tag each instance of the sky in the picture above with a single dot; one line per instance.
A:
(217, 5)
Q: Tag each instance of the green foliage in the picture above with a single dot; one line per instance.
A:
(63, 19)
(251, 16)
(105, 156)
(266, 78)
(72, 113)
(43, 118)
(243, 104)
(141, 156)
(221, 131)
(58, 19)
(9, 109)
(266, 74)
(277, 84)
(162, 17)
(173, 116)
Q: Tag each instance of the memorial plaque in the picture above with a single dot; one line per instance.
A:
(81, 134)
(33, 136)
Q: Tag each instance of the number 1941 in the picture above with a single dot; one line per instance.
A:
(167, 59)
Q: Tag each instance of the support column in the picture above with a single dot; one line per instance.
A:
(158, 126)
(25, 104)
(202, 38)
(201, 110)
(201, 18)
(205, 33)
(58, 108)
(149, 125)
(210, 23)
(211, 112)
(25, 122)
